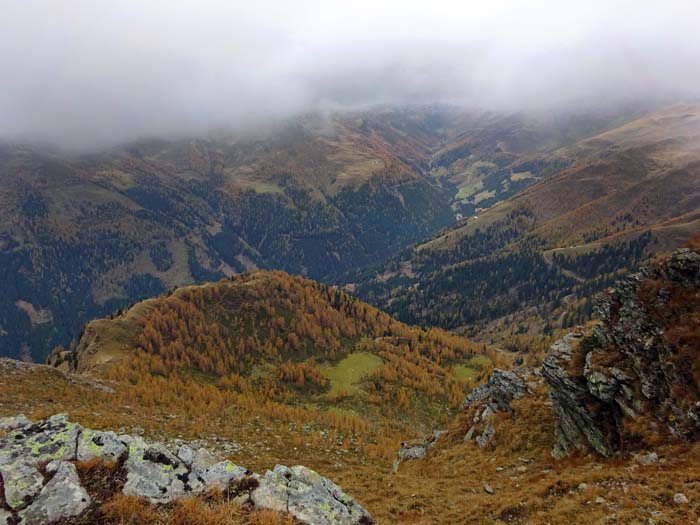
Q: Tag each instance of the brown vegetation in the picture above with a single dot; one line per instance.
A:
(129, 510)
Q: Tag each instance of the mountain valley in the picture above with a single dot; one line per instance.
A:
(537, 397)
(529, 264)
(350, 263)
(86, 234)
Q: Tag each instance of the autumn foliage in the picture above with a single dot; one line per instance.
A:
(261, 341)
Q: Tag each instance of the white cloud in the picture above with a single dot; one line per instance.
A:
(89, 72)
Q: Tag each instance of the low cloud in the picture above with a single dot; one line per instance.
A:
(85, 73)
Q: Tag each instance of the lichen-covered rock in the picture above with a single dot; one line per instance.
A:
(635, 377)
(13, 423)
(308, 497)
(204, 459)
(154, 473)
(5, 517)
(22, 481)
(61, 497)
(55, 438)
(186, 454)
(220, 474)
(27, 446)
(105, 446)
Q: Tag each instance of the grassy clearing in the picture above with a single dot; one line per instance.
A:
(472, 368)
(465, 372)
(479, 197)
(479, 361)
(262, 371)
(346, 375)
(469, 189)
(522, 175)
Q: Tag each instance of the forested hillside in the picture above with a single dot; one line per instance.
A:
(531, 262)
(282, 346)
(85, 234)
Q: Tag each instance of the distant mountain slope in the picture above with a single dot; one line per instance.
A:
(490, 157)
(628, 193)
(82, 235)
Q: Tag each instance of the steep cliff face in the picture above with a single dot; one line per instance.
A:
(635, 380)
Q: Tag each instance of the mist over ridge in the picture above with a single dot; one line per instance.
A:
(83, 75)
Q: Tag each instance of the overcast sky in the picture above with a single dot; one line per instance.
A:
(87, 73)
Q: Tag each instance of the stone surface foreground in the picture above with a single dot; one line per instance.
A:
(41, 483)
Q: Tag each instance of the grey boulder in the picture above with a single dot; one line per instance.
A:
(308, 497)
(13, 423)
(4, 517)
(210, 471)
(62, 497)
(154, 473)
(22, 482)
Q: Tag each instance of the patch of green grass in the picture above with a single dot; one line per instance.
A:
(198, 375)
(345, 376)
(465, 372)
(471, 369)
(479, 361)
(521, 175)
(483, 196)
(470, 189)
(262, 371)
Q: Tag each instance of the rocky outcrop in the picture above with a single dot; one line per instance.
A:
(575, 427)
(635, 378)
(499, 390)
(27, 447)
(62, 497)
(13, 423)
(417, 449)
(496, 395)
(41, 484)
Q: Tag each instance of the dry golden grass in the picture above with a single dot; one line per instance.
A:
(445, 488)
(128, 510)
